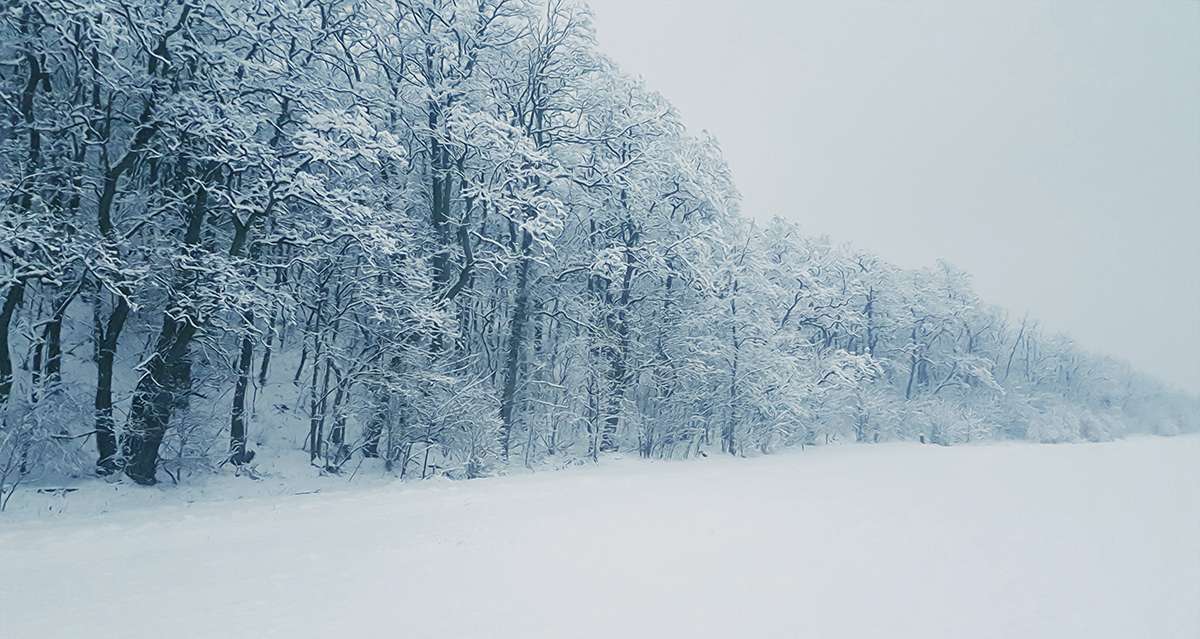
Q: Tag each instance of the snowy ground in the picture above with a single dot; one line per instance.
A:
(1071, 541)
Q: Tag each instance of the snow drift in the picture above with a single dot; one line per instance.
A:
(897, 540)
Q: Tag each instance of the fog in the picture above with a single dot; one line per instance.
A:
(1052, 149)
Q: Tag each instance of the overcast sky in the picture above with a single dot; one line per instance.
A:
(1051, 147)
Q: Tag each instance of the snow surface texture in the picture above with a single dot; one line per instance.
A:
(896, 540)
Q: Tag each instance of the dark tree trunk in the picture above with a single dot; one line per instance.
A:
(374, 430)
(168, 370)
(620, 379)
(106, 353)
(316, 408)
(382, 399)
(913, 364)
(729, 430)
(379, 419)
(12, 299)
(516, 345)
(16, 290)
(619, 353)
(47, 359)
(338, 452)
(272, 330)
(318, 401)
(237, 418)
(912, 373)
(155, 398)
(237, 414)
(52, 338)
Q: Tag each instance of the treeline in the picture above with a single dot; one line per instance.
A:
(448, 227)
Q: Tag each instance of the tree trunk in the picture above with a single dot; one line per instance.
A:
(238, 454)
(47, 360)
(316, 400)
(516, 344)
(619, 354)
(155, 398)
(16, 292)
(338, 452)
(169, 368)
(729, 431)
(106, 353)
(272, 330)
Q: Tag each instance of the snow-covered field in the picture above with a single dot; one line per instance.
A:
(1069, 541)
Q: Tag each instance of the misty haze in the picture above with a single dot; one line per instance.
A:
(546, 318)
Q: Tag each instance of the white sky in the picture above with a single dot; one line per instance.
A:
(1051, 148)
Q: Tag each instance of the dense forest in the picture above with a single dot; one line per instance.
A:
(445, 236)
